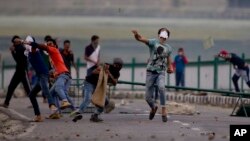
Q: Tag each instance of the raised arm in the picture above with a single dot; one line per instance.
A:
(97, 70)
(140, 38)
(113, 79)
(40, 46)
(33, 44)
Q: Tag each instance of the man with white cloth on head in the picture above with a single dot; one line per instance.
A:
(92, 54)
(42, 73)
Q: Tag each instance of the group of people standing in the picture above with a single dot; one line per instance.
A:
(48, 62)
(52, 67)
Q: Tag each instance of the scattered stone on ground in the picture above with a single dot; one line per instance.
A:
(180, 108)
(12, 125)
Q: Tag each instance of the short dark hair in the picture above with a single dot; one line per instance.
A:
(66, 41)
(94, 37)
(14, 37)
(53, 41)
(47, 37)
(164, 28)
(180, 49)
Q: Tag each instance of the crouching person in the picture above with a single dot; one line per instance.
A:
(90, 84)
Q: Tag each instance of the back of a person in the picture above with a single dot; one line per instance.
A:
(21, 59)
(46, 59)
(37, 62)
(57, 60)
(237, 61)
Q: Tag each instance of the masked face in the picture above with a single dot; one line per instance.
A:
(117, 67)
(162, 40)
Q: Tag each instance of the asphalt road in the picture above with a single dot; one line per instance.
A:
(130, 122)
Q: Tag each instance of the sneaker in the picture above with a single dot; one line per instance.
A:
(95, 118)
(65, 104)
(60, 115)
(164, 118)
(4, 105)
(54, 116)
(74, 113)
(152, 113)
(77, 117)
(38, 119)
(53, 108)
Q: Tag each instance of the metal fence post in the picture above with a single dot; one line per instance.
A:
(198, 72)
(78, 62)
(230, 76)
(3, 66)
(133, 73)
(242, 84)
(168, 81)
(216, 73)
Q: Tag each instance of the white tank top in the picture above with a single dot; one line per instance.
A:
(94, 56)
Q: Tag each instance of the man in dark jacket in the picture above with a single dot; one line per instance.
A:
(42, 72)
(20, 75)
(90, 84)
(240, 66)
(68, 55)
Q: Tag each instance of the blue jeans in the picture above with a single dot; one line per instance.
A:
(66, 90)
(180, 78)
(41, 84)
(61, 86)
(87, 92)
(158, 80)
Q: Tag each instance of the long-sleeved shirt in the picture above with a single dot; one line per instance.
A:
(19, 57)
(180, 63)
(237, 61)
(37, 62)
(55, 56)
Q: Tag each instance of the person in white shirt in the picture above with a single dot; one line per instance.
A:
(92, 54)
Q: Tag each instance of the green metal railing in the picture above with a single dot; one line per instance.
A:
(240, 95)
(133, 65)
(229, 93)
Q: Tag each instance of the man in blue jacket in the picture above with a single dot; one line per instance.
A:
(42, 73)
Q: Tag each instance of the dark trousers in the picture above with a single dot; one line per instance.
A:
(244, 73)
(19, 76)
(180, 79)
(41, 84)
(35, 90)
